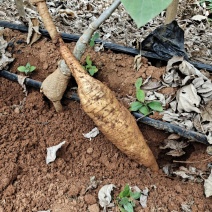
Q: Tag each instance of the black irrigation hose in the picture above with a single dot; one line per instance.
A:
(115, 47)
(146, 120)
(14, 77)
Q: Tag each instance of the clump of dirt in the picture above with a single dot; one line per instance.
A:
(29, 184)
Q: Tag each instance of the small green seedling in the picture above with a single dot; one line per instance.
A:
(92, 40)
(89, 67)
(141, 105)
(26, 69)
(126, 199)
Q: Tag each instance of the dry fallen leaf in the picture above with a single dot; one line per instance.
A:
(199, 18)
(143, 197)
(173, 63)
(51, 152)
(33, 31)
(92, 134)
(209, 150)
(187, 99)
(186, 207)
(5, 57)
(188, 69)
(137, 62)
(104, 195)
(92, 184)
(175, 146)
(208, 186)
(206, 112)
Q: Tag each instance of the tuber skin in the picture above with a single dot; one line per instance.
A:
(99, 102)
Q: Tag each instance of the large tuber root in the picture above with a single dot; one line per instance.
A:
(110, 116)
(99, 102)
(54, 86)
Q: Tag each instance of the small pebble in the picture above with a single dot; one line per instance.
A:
(89, 150)
(93, 208)
(178, 189)
(45, 66)
(17, 110)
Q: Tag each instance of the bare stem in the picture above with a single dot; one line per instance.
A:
(171, 11)
(47, 20)
(81, 44)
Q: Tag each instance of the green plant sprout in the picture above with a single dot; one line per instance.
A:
(141, 105)
(89, 67)
(126, 199)
(26, 69)
(92, 40)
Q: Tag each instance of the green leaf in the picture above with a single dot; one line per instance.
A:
(142, 11)
(135, 195)
(94, 37)
(138, 83)
(92, 70)
(28, 65)
(125, 192)
(140, 95)
(128, 207)
(32, 68)
(135, 106)
(87, 67)
(144, 110)
(88, 61)
(122, 209)
(156, 106)
(21, 68)
(124, 201)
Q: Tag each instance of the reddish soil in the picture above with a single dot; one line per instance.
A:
(27, 183)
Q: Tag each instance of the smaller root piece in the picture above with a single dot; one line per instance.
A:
(54, 86)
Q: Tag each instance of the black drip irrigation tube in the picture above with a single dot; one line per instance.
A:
(191, 135)
(108, 45)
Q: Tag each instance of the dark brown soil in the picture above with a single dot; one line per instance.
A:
(27, 183)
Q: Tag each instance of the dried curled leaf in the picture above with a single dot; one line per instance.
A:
(104, 195)
(5, 57)
(208, 186)
(51, 152)
(92, 134)
(175, 146)
(187, 99)
(204, 88)
(188, 69)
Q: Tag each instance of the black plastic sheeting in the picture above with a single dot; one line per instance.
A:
(160, 35)
(166, 41)
(195, 136)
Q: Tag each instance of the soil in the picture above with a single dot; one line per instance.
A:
(29, 124)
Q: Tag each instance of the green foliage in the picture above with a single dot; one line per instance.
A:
(94, 37)
(208, 4)
(142, 11)
(141, 105)
(26, 69)
(89, 67)
(126, 199)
